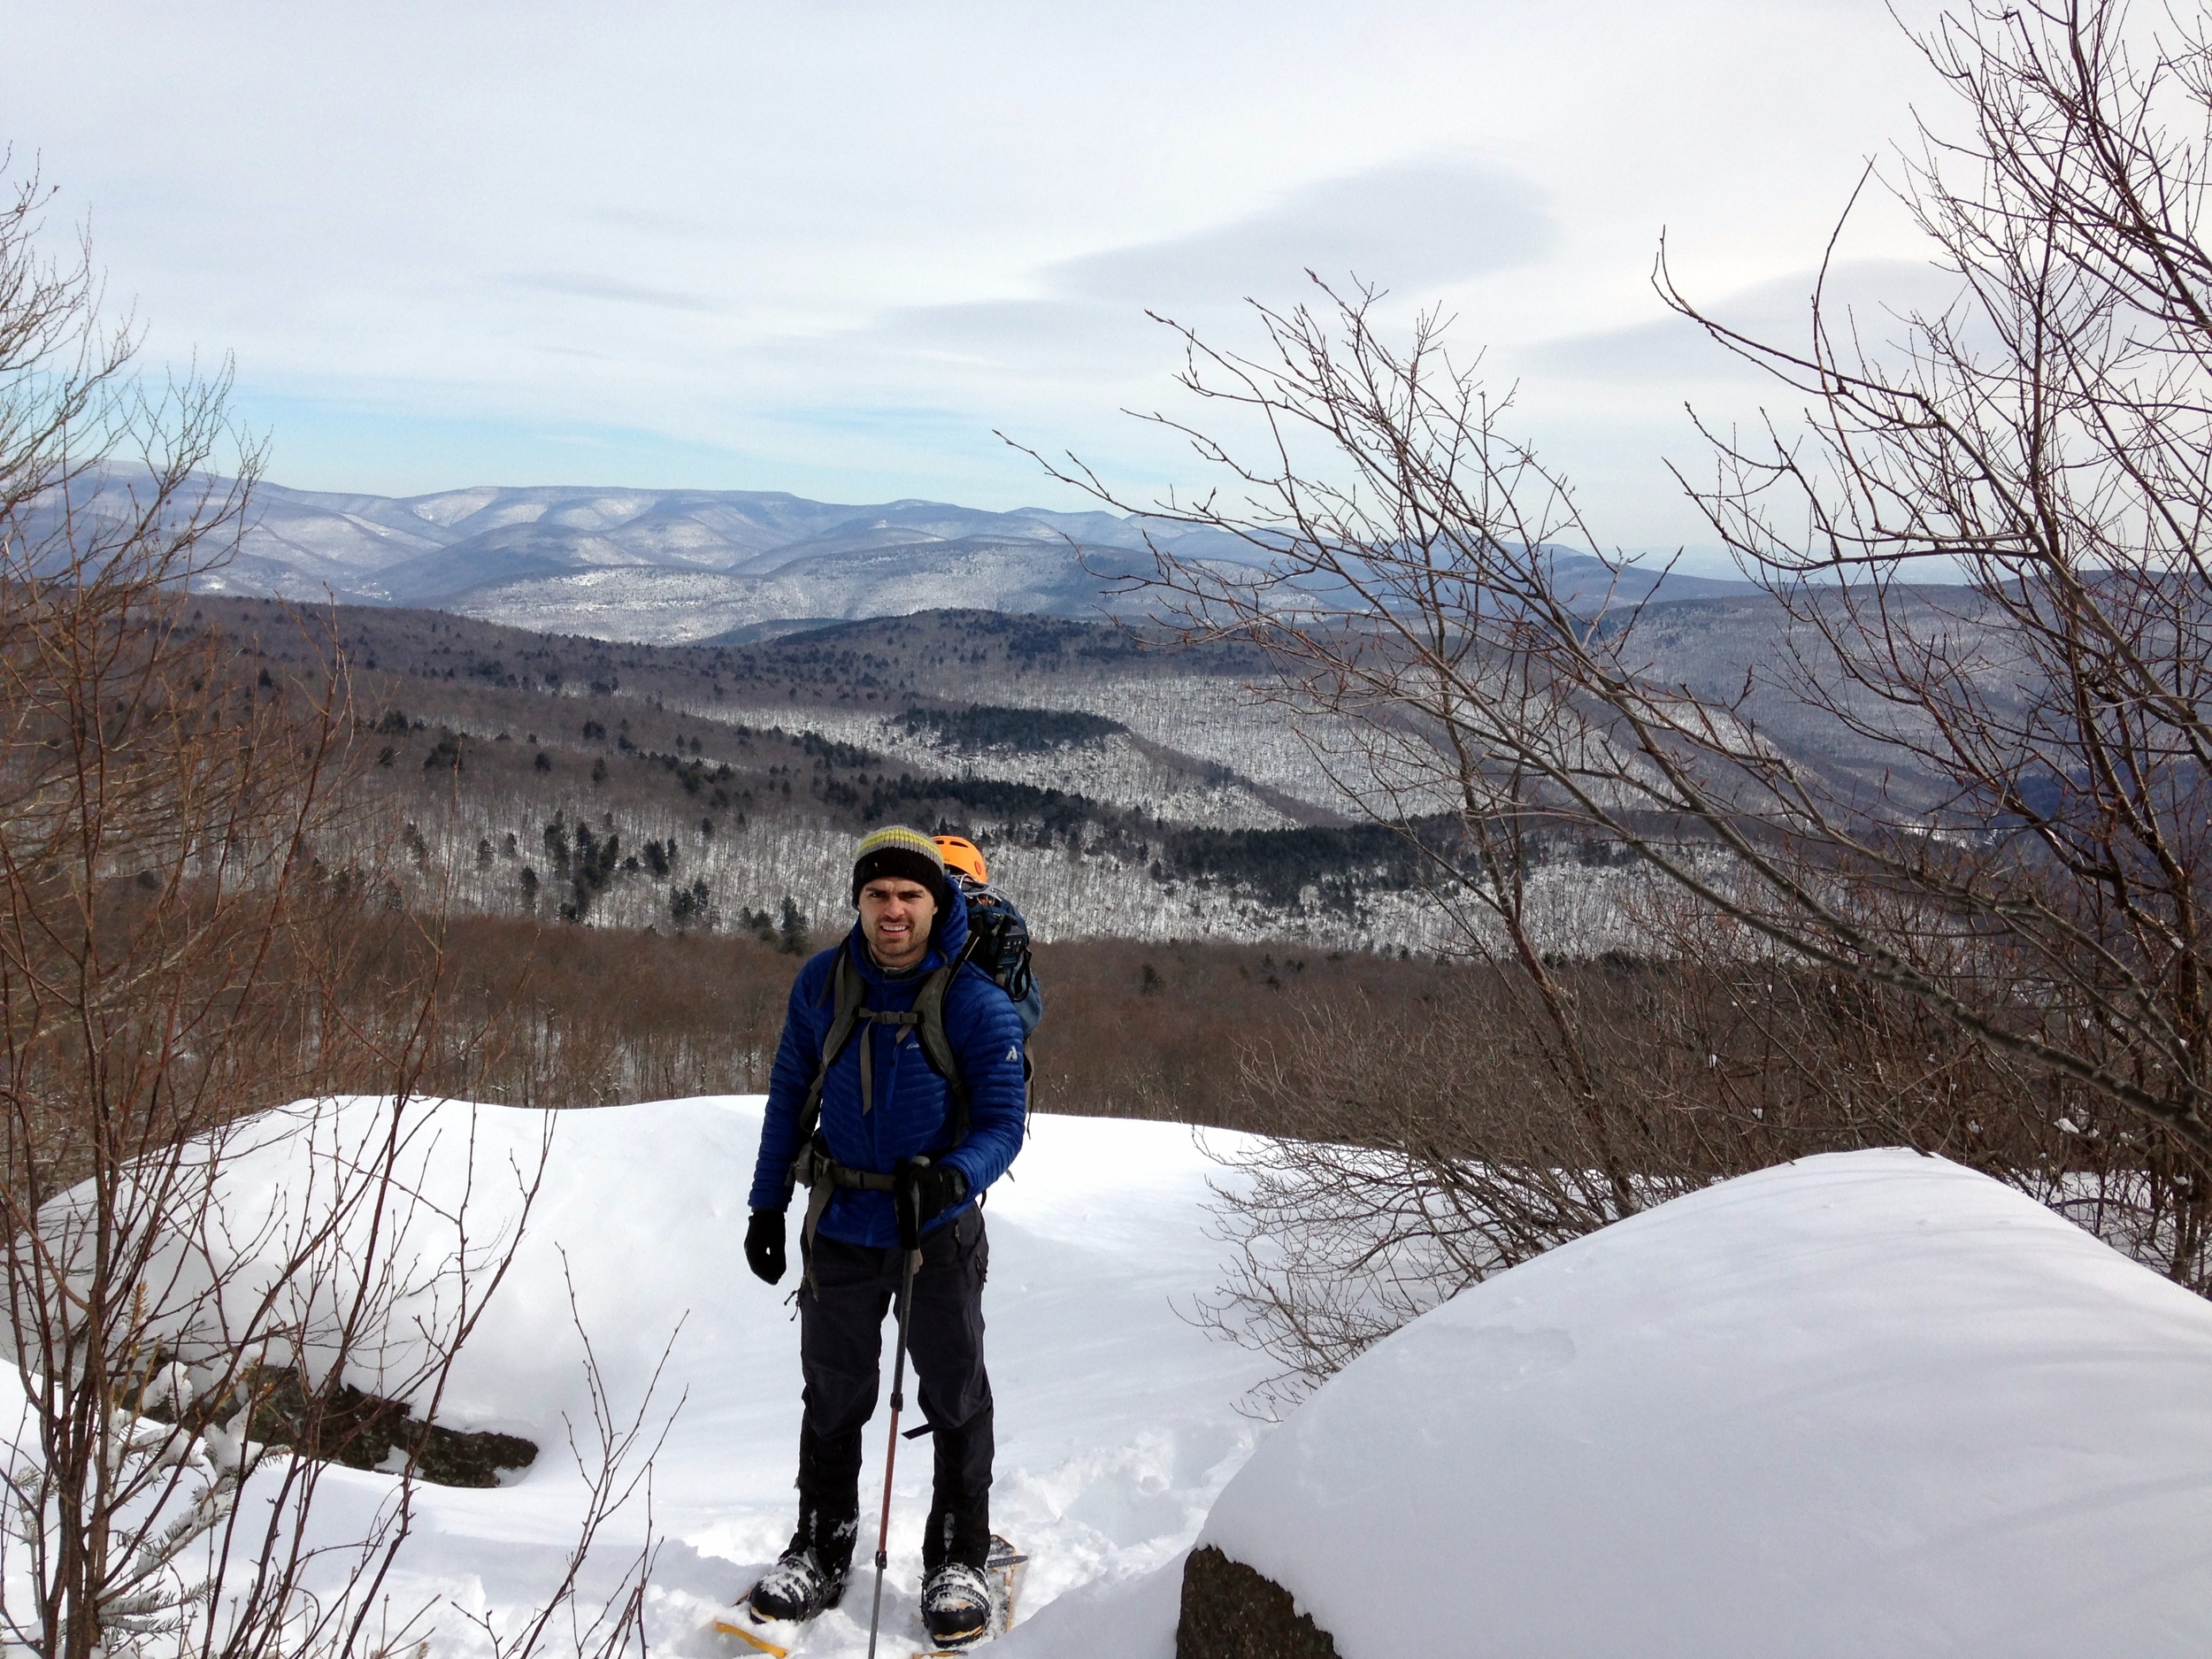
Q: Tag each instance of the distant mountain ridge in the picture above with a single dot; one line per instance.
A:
(672, 567)
(424, 549)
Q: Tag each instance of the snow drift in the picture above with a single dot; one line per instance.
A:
(1866, 1403)
(1117, 1420)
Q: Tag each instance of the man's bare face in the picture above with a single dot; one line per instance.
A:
(896, 916)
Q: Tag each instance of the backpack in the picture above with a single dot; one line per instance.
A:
(998, 943)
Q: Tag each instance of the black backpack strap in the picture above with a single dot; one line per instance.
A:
(929, 1004)
(850, 989)
(927, 1018)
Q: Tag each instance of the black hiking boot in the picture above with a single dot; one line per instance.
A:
(957, 1603)
(957, 1590)
(796, 1588)
(809, 1577)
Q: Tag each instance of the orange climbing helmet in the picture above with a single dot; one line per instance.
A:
(962, 854)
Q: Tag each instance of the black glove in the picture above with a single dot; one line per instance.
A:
(763, 1245)
(922, 1190)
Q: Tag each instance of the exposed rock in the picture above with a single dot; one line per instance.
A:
(348, 1426)
(1232, 1611)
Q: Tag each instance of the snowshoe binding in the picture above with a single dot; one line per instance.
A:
(773, 1611)
(964, 1606)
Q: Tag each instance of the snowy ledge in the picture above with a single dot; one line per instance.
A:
(1865, 1405)
(1869, 1403)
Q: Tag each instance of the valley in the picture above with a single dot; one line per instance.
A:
(1120, 790)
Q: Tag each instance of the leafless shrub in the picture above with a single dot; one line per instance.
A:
(175, 958)
(2018, 859)
(1415, 1148)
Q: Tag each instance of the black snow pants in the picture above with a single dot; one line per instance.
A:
(840, 1349)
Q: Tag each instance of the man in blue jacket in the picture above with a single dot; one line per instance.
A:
(896, 1150)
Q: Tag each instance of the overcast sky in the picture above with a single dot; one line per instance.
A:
(829, 247)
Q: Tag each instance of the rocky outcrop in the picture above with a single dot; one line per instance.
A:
(1232, 1611)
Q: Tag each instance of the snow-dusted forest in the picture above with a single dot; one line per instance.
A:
(1155, 800)
(666, 870)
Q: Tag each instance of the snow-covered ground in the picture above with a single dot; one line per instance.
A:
(1867, 1403)
(1117, 1419)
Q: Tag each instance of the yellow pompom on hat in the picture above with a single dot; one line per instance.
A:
(901, 851)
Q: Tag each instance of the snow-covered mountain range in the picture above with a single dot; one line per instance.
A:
(673, 565)
(677, 566)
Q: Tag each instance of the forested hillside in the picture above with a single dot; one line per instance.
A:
(1120, 788)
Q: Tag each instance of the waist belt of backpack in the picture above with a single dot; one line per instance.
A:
(822, 1175)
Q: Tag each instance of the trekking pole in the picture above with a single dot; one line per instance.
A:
(891, 1448)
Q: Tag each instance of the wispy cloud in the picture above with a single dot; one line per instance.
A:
(580, 286)
(1414, 225)
(1672, 349)
(647, 220)
(771, 224)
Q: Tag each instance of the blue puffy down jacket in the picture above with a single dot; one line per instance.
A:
(913, 1107)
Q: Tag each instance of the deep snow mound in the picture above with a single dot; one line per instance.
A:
(1866, 1403)
(1117, 1422)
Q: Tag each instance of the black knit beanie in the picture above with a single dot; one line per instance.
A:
(900, 851)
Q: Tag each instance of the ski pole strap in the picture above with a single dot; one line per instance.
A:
(822, 1175)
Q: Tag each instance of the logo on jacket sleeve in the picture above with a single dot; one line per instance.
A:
(1013, 1051)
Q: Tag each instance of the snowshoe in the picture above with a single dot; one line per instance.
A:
(963, 1606)
(771, 1615)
